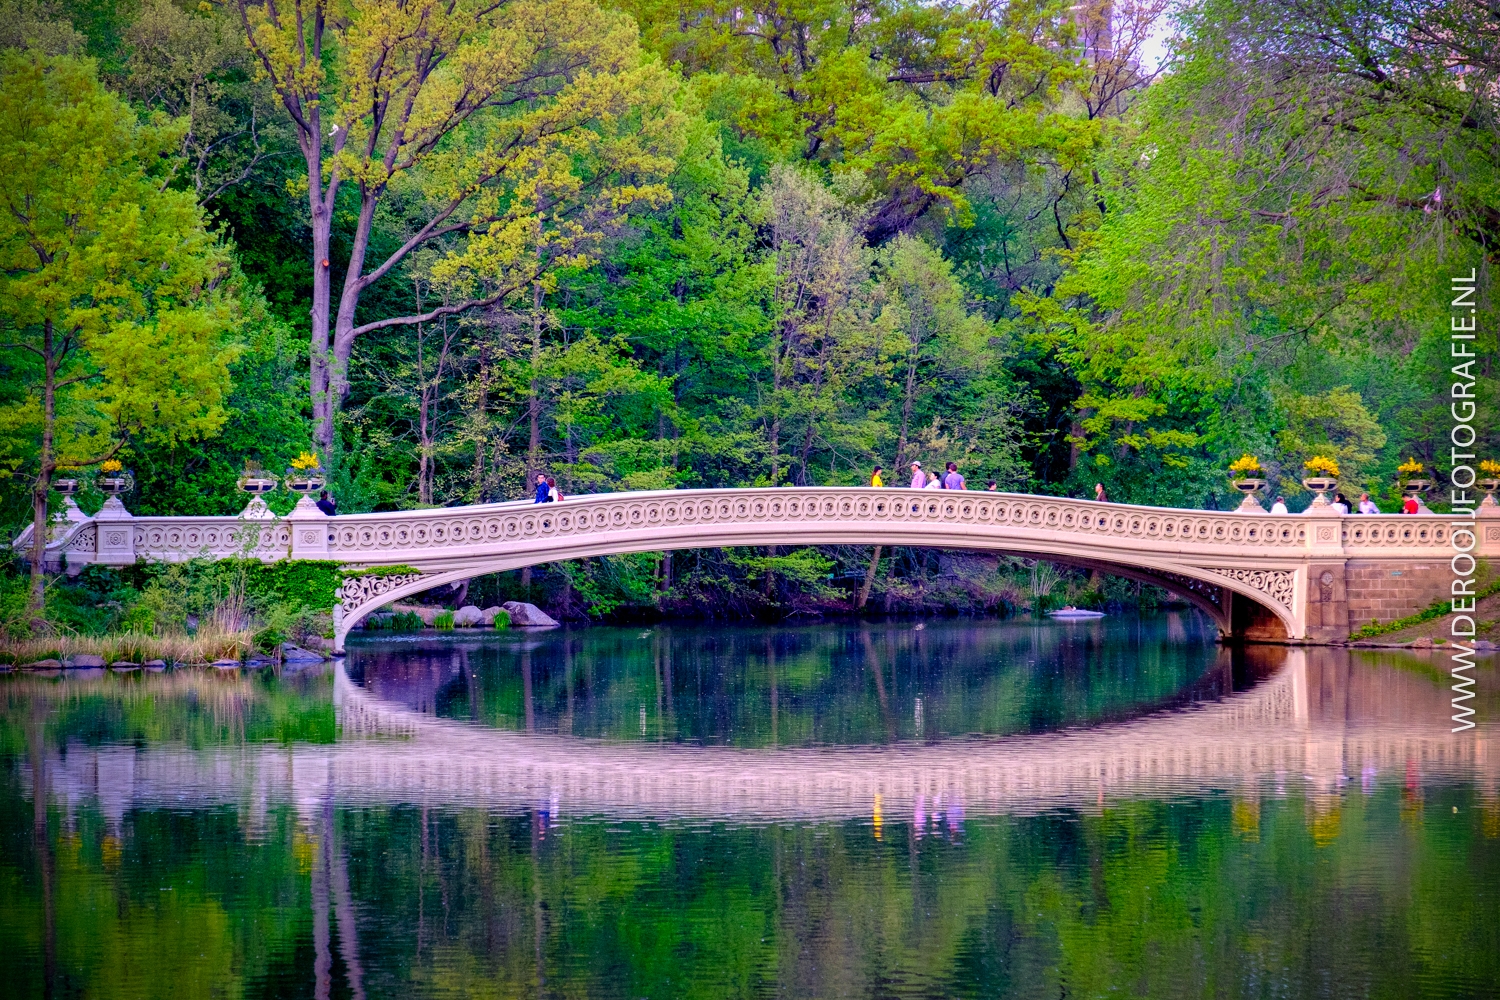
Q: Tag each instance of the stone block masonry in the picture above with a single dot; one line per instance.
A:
(1387, 590)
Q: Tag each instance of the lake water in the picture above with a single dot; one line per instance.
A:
(986, 809)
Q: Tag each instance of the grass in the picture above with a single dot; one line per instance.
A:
(133, 647)
(1437, 609)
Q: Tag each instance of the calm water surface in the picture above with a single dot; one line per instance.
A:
(1119, 808)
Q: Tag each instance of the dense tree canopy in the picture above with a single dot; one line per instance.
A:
(668, 243)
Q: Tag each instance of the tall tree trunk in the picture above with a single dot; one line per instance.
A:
(481, 414)
(424, 438)
(807, 441)
(39, 490)
(906, 405)
(343, 323)
(864, 590)
(534, 404)
(320, 204)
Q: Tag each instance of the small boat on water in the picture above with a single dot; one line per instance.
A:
(1071, 613)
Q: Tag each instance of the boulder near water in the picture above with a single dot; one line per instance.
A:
(468, 616)
(524, 615)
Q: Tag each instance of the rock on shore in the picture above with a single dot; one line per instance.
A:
(528, 615)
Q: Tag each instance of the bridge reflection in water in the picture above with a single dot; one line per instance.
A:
(1321, 717)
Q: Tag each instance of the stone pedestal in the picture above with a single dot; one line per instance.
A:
(1488, 517)
(310, 530)
(115, 545)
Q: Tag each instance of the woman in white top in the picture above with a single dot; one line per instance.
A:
(1279, 507)
(933, 483)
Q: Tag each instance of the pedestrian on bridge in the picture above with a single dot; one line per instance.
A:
(875, 479)
(327, 504)
(952, 480)
(553, 493)
(543, 491)
(1366, 505)
(1099, 493)
(918, 477)
(1279, 507)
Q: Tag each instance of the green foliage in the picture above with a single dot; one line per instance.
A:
(107, 295)
(443, 621)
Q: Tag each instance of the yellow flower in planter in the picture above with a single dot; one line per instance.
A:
(1490, 468)
(1246, 466)
(110, 466)
(1322, 464)
(1410, 467)
(306, 462)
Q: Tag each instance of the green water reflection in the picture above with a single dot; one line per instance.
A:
(187, 835)
(802, 686)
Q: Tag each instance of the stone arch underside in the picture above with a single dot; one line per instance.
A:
(1223, 597)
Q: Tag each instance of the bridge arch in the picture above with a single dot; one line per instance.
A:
(1208, 590)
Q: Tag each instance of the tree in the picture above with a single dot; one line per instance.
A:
(111, 325)
(508, 135)
(194, 65)
(1335, 425)
(822, 344)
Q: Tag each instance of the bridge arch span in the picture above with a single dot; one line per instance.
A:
(1208, 589)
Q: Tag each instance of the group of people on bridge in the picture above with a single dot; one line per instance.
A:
(951, 479)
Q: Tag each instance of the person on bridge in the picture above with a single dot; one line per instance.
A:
(875, 479)
(934, 482)
(918, 477)
(1410, 506)
(992, 486)
(327, 504)
(952, 480)
(553, 493)
(1279, 507)
(1366, 505)
(543, 491)
(1099, 493)
(1341, 503)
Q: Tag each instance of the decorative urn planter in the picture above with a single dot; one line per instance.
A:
(1249, 487)
(1320, 485)
(1416, 487)
(68, 486)
(115, 483)
(1490, 486)
(258, 483)
(305, 483)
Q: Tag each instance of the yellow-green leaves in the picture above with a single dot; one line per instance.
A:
(106, 298)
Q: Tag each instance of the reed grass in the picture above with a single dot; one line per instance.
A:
(133, 647)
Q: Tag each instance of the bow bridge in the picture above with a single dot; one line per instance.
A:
(1300, 577)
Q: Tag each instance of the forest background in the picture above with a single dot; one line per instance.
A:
(659, 245)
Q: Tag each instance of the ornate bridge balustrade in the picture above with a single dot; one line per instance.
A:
(1258, 575)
